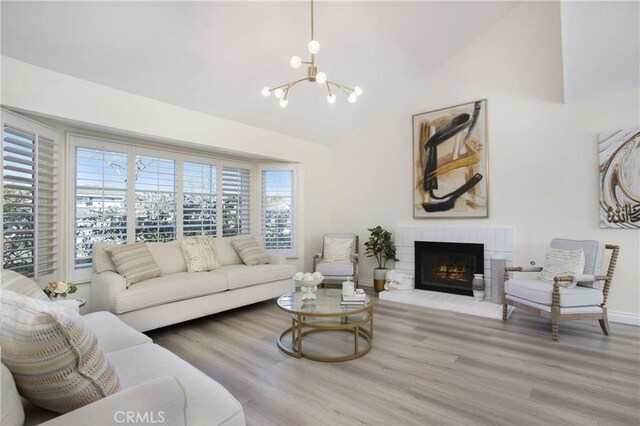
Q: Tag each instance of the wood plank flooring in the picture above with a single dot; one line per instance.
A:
(426, 367)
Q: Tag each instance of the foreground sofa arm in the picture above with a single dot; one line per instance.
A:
(104, 287)
(160, 401)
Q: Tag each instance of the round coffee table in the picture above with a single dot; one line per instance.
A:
(325, 314)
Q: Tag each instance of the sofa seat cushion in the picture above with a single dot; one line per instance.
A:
(112, 333)
(208, 402)
(167, 289)
(329, 269)
(240, 276)
(541, 292)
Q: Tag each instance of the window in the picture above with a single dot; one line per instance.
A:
(29, 195)
(236, 201)
(277, 209)
(155, 199)
(199, 199)
(100, 201)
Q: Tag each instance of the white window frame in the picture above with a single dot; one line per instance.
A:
(298, 238)
(133, 148)
(19, 122)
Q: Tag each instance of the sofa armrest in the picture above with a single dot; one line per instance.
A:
(277, 259)
(159, 401)
(104, 287)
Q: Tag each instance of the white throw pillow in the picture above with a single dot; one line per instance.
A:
(558, 262)
(199, 254)
(337, 249)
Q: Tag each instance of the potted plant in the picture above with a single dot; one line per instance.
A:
(383, 249)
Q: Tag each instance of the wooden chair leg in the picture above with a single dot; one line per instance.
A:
(505, 311)
(555, 330)
(604, 322)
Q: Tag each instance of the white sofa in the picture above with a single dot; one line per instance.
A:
(157, 387)
(179, 295)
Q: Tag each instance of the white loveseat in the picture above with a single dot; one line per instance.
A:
(157, 387)
(179, 295)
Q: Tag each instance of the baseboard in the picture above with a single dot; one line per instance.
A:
(365, 282)
(624, 318)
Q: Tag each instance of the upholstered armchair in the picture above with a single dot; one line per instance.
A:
(335, 272)
(587, 300)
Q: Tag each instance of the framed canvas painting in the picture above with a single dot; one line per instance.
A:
(619, 159)
(450, 167)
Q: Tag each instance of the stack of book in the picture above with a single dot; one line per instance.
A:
(357, 299)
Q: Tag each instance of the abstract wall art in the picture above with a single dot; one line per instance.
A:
(619, 159)
(450, 162)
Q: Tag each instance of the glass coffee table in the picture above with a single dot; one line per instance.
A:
(326, 314)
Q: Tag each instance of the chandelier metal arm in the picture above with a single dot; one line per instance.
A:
(288, 85)
(347, 90)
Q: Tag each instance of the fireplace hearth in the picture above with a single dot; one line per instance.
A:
(447, 267)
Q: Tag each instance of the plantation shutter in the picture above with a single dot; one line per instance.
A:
(199, 206)
(100, 200)
(29, 195)
(155, 206)
(236, 201)
(277, 209)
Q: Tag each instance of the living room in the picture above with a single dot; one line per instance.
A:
(145, 122)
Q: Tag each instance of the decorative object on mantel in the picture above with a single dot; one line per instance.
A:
(619, 158)
(450, 162)
(383, 249)
(399, 281)
(308, 284)
(313, 76)
(478, 287)
(61, 289)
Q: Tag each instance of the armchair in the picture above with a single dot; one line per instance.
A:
(587, 300)
(336, 272)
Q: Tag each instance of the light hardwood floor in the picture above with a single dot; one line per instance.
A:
(426, 367)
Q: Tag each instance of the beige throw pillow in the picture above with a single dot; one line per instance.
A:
(54, 357)
(14, 281)
(199, 254)
(250, 251)
(558, 262)
(134, 262)
(337, 249)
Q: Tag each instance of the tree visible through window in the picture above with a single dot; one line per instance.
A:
(277, 209)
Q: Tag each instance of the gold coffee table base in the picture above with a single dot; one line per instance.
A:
(297, 332)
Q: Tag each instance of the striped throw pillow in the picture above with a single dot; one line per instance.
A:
(250, 251)
(14, 281)
(54, 357)
(199, 254)
(134, 262)
(558, 262)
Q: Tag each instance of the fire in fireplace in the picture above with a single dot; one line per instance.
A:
(448, 267)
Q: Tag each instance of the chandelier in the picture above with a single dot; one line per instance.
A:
(313, 76)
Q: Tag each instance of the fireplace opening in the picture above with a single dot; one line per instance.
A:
(448, 267)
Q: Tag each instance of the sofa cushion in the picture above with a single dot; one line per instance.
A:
(168, 256)
(112, 333)
(541, 292)
(11, 409)
(208, 402)
(335, 269)
(14, 281)
(53, 355)
(167, 289)
(134, 262)
(226, 254)
(199, 254)
(240, 276)
(250, 251)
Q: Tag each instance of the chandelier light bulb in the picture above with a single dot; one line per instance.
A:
(321, 78)
(314, 47)
(296, 62)
(284, 103)
(266, 91)
(357, 91)
(331, 98)
(279, 93)
(352, 97)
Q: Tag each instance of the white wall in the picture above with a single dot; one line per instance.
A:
(37, 90)
(543, 167)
